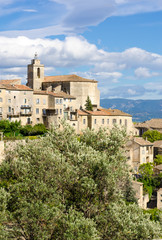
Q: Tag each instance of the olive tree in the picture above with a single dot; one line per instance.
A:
(65, 187)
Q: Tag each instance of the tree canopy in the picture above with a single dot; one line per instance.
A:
(65, 187)
(152, 135)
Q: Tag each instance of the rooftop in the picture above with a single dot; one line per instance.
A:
(60, 94)
(15, 87)
(154, 123)
(142, 142)
(12, 81)
(67, 78)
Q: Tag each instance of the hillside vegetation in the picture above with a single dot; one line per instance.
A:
(69, 187)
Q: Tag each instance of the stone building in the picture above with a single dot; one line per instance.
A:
(153, 124)
(48, 99)
(139, 151)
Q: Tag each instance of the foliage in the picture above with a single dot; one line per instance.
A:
(14, 130)
(88, 104)
(150, 182)
(158, 159)
(152, 135)
(155, 214)
(60, 188)
(38, 129)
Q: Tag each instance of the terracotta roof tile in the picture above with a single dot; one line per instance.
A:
(82, 113)
(154, 123)
(12, 81)
(142, 142)
(60, 94)
(67, 78)
(16, 87)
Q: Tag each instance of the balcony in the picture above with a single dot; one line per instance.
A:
(13, 114)
(25, 106)
(25, 114)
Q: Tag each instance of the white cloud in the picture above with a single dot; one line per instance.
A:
(74, 15)
(142, 72)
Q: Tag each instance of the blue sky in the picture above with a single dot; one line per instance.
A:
(117, 42)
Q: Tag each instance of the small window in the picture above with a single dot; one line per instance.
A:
(0, 91)
(38, 72)
(84, 121)
(95, 121)
(103, 121)
(60, 101)
(126, 122)
(37, 101)
(120, 121)
(14, 97)
(56, 111)
(9, 109)
(9, 91)
(25, 101)
(60, 111)
(44, 101)
(44, 111)
(37, 110)
(107, 121)
(1, 100)
(57, 100)
(9, 100)
(73, 124)
(114, 121)
(25, 94)
(38, 119)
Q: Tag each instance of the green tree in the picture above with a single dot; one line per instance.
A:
(64, 188)
(158, 159)
(152, 135)
(88, 104)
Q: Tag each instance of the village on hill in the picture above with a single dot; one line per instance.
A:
(50, 99)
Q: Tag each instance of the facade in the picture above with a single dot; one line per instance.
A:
(49, 99)
(139, 151)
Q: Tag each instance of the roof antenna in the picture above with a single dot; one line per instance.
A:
(36, 56)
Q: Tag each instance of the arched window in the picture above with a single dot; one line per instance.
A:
(38, 72)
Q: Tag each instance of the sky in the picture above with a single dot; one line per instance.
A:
(116, 42)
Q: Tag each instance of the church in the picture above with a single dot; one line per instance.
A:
(48, 99)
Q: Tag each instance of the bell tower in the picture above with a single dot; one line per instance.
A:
(35, 74)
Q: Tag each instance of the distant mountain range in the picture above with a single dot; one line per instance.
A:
(141, 110)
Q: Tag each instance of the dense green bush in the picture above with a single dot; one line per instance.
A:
(152, 135)
(60, 188)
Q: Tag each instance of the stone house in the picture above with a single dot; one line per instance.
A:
(153, 124)
(139, 151)
(159, 199)
(157, 148)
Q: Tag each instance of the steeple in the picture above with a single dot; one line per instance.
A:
(35, 73)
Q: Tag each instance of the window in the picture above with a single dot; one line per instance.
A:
(107, 121)
(143, 160)
(25, 101)
(38, 119)
(126, 122)
(57, 101)
(9, 91)
(56, 111)
(114, 121)
(103, 121)
(1, 100)
(38, 72)
(9, 109)
(84, 121)
(71, 109)
(60, 101)
(120, 121)
(37, 101)
(14, 97)
(44, 111)
(37, 110)
(70, 99)
(95, 121)
(25, 94)
(9, 100)
(60, 111)
(44, 101)
(0, 91)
